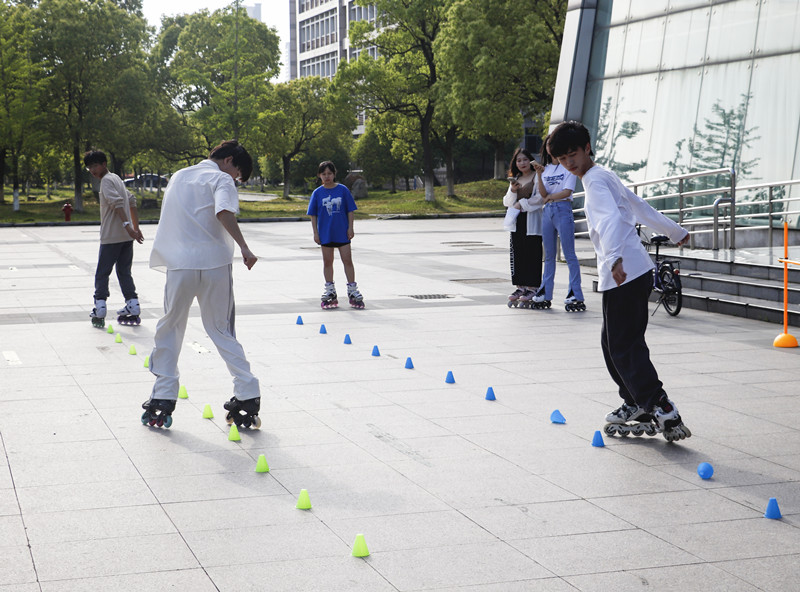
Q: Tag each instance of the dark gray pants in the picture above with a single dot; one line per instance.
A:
(119, 255)
(625, 315)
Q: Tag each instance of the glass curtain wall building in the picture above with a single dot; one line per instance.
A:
(673, 86)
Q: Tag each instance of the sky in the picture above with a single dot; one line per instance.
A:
(275, 13)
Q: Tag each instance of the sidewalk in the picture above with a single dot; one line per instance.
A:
(451, 491)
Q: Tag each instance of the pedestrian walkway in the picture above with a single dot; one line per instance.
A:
(451, 491)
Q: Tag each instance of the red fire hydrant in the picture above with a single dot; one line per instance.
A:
(67, 209)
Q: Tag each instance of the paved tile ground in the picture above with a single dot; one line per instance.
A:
(452, 492)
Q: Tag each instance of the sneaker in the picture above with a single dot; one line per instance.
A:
(668, 420)
(626, 413)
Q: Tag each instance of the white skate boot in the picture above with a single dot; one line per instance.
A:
(629, 419)
(98, 314)
(129, 314)
(668, 421)
(356, 299)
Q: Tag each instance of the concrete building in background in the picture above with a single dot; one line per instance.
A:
(672, 86)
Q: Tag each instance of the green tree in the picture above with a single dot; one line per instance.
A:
(298, 116)
(403, 78)
(374, 154)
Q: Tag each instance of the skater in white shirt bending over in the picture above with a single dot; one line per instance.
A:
(195, 243)
(625, 279)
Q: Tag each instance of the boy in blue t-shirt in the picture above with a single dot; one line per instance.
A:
(331, 209)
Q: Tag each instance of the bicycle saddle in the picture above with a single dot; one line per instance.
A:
(659, 239)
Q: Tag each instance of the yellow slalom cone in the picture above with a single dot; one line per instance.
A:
(118, 339)
(233, 435)
(207, 413)
(261, 464)
(132, 351)
(303, 501)
(182, 394)
(110, 329)
(147, 361)
(360, 547)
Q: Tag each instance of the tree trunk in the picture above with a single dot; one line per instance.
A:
(450, 139)
(394, 184)
(15, 178)
(77, 170)
(500, 170)
(427, 156)
(287, 163)
(2, 175)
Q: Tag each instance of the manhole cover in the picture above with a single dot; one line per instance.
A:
(430, 296)
(480, 280)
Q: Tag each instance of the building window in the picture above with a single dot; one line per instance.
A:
(323, 66)
(318, 31)
(304, 5)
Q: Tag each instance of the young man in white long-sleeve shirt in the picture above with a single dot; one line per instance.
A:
(625, 268)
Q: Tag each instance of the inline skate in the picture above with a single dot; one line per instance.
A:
(129, 314)
(356, 299)
(98, 314)
(668, 421)
(526, 298)
(540, 301)
(513, 298)
(572, 304)
(629, 419)
(329, 299)
(243, 413)
(158, 412)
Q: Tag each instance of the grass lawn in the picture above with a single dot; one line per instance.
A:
(480, 196)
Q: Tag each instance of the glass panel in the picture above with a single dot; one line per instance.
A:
(607, 49)
(732, 33)
(643, 46)
(683, 4)
(650, 8)
(778, 27)
(599, 112)
(685, 39)
(612, 12)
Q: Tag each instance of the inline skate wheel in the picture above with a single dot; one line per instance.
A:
(145, 418)
(99, 323)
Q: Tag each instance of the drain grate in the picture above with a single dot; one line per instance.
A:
(430, 296)
(458, 243)
(480, 280)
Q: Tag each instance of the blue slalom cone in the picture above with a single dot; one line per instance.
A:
(705, 470)
(347, 339)
(449, 379)
(490, 394)
(375, 351)
(322, 329)
(773, 512)
(597, 441)
(409, 364)
(299, 320)
(557, 417)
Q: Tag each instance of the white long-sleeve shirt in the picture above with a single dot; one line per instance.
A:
(532, 205)
(612, 211)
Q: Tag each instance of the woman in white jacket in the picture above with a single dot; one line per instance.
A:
(526, 231)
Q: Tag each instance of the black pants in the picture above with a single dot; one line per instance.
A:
(526, 255)
(119, 255)
(625, 314)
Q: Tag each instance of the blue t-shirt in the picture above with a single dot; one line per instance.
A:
(331, 206)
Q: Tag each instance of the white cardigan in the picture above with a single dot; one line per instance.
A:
(533, 206)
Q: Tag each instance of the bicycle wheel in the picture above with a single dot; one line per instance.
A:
(671, 284)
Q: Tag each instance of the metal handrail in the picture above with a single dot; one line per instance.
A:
(726, 200)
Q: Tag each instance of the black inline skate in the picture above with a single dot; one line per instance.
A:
(572, 304)
(329, 299)
(158, 412)
(98, 314)
(356, 299)
(540, 301)
(629, 419)
(244, 413)
(129, 314)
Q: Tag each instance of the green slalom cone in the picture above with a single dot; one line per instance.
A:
(110, 329)
(360, 547)
(182, 394)
(261, 464)
(233, 435)
(118, 338)
(147, 361)
(207, 412)
(132, 351)
(303, 501)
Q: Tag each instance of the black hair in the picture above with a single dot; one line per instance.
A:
(241, 159)
(326, 164)
(545, 155)
(569, 136)
(513, 171)
(94, 157)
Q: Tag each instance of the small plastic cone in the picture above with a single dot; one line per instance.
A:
(299, 320)
(597, 441)
(490, 394)
(132, 351)
(261, 464)
(773, 512)
(182, 394)
(449, 379)
(147, 361)
(207, 412)
(110, 329)
(347, 339)
(118, 338)
(375, 351)
(303, 501)
(557, 417)
(322, 329)
(233, 435)
(409, 364)
(360, 547)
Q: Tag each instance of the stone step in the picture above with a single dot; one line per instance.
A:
(768, 290)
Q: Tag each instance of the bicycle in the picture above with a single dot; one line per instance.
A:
(666, 280)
